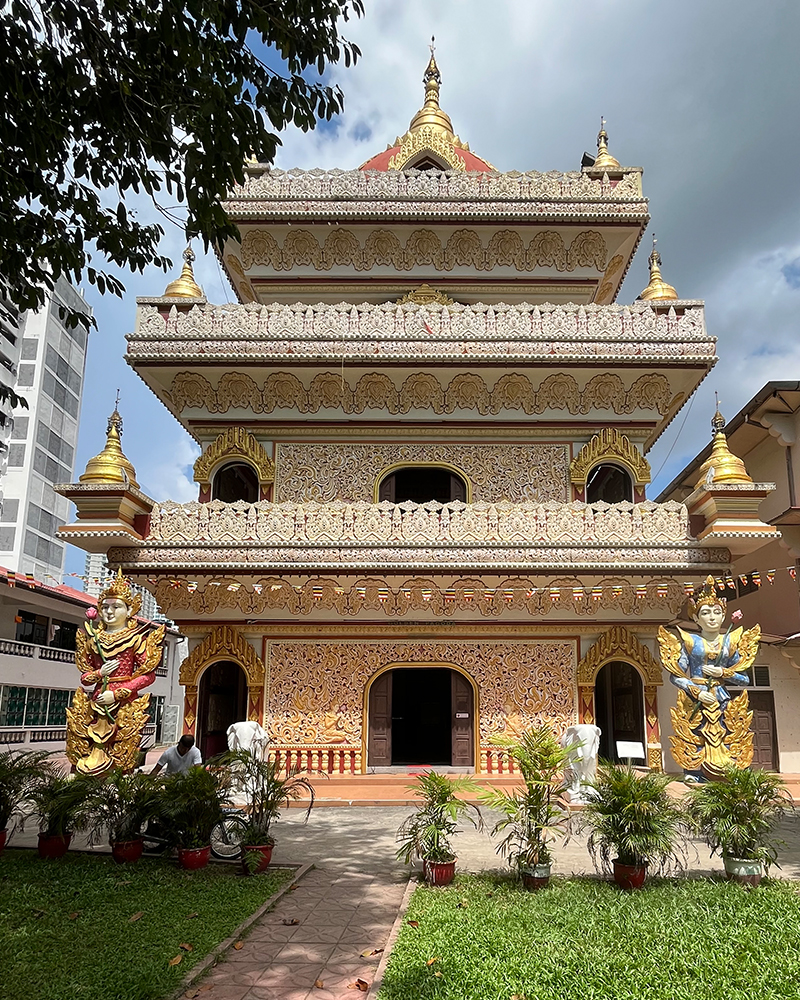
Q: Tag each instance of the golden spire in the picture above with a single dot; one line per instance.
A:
(430, 113)
(727, 467)
(184, 286)
(657, 288)
(111, 465)
(604, 160)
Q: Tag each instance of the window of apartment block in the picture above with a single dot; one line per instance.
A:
(7, 536)
(48, 467)
(9, 510)
(29, 348)
(16, 456)
(57, 708)
(42, 520)
(63, 634)
(54, 443)
(12, 705)
(21, 706)
(25, 374)
(42, 549)
(36, 707)
(32, 628)
(20, 429)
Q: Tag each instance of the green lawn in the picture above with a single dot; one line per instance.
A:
(583, 939)
(66, 931)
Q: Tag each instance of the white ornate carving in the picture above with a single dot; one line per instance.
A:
(511, 472)
(391, 331)
(440, 192)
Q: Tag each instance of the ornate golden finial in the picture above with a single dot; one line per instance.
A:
(111, 465)
(657, 288)
(721, 466)
(604, 160)
(184, 286)
(430, 113)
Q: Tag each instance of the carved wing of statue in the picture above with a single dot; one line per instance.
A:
(687, 747)
(670, 646)
(79, 716)
(131, 720)
(82, 661)
(747, 646)
(153, 645)
(738, 719)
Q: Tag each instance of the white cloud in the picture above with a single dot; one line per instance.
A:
(166, 473)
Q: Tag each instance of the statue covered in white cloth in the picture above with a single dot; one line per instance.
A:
(583, 741)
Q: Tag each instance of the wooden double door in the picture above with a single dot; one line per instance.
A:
(419, 716)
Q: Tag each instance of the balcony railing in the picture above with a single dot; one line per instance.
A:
(14, 648)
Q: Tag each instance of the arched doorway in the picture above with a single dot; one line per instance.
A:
(222, 700)
(235, 481)
(619, 707)
(421, 716)
(609, 483)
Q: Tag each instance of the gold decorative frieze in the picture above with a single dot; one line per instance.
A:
(609, 446)
(427, 139)
(234, 443)
(554, 596)
(422, 248)
(224, 643)
(425, 295)
(350, 472)
(420, 391)
(316, 691)
(619, 643)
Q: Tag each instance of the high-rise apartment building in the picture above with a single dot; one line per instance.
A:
(97, 577)
(10, 339)
(43, 438)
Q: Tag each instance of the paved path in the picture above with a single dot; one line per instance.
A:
(348, 904)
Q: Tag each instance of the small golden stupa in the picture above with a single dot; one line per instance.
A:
(604, 159)
(111, 465)
(657, 289)
(727, 467)
(430, 113)
(184, 286)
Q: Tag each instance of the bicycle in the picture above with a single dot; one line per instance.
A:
(226, 837)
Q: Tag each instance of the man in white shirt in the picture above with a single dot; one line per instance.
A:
(179, 758)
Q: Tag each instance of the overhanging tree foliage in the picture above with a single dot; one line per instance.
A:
(105, 98)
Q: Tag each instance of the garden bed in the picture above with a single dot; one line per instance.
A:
(85, 927)
(582, 939)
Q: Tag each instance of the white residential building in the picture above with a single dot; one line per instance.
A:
(43, 439)
(10, 339)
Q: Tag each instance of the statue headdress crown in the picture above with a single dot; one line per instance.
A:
(706, 595)
(121, 588)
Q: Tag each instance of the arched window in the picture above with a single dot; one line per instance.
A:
(235, 481)
(422, 484)
(609, 483)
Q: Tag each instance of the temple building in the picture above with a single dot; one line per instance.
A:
(422, 521)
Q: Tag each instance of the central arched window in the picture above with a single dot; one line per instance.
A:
(235, 481)
(421, 484)
(609, 483)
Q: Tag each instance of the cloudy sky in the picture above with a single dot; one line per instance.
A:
(704, 94)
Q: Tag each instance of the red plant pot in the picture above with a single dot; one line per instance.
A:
(629, 877)
(439, 872)
(3, 836)
(537, 877)
(124, 852)
(54, 847)
(191, 859)
(263, 851)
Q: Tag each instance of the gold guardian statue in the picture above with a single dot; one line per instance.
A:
(712, 728)
(117, 658)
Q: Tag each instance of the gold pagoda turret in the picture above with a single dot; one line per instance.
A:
(657, 289)
(604, 160)
(728, 468)
(430, 113)
(111, 465)
(184, 286)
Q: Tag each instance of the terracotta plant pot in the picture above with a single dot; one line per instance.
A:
(3, 836)
(54, 847)
(439, 872)
(124, 852)
(629, 877)
(193, 858)
(745, 871)
(249, 852)
(536, 877)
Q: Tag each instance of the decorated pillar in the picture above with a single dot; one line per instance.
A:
(189, 709)
(586, 704)
(653, 729)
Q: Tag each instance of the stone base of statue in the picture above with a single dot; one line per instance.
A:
(97, 743)
(709, 738)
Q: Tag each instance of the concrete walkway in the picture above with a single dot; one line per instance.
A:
(347, 905)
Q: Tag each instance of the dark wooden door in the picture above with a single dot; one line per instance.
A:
(379, 739)
(463, 721)
(765, 743)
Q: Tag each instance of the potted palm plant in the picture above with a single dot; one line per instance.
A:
(635, 824)
(120, 805)
(534, 815)
(62, 803)
(428, 833)
(190, 807)
(265, 790)
(737, 816)
(19, 770)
